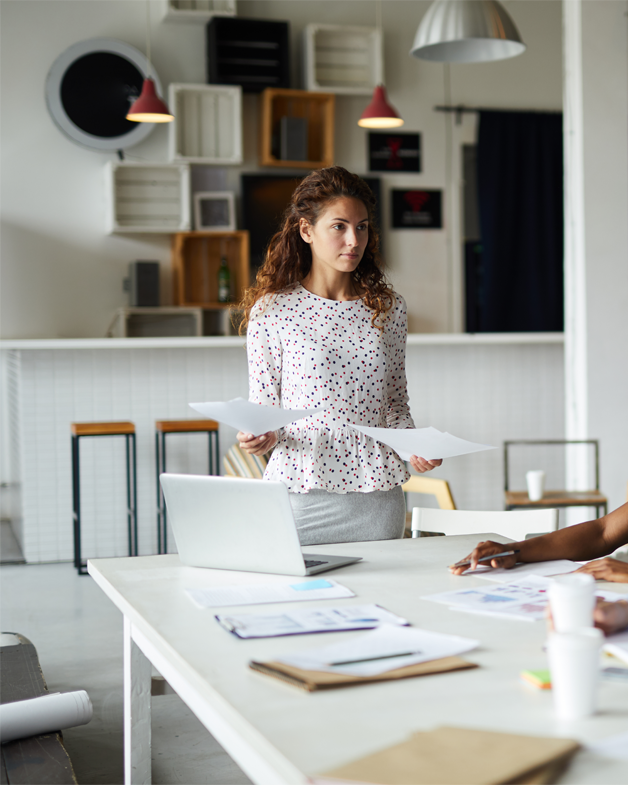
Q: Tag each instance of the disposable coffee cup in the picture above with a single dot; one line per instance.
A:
(572, 599)
(535, 480)
(574, 662)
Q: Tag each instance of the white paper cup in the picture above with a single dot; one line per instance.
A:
(535, 480)
(574, 662)
(572, 599)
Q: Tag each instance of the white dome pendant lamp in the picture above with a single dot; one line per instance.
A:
(466, 31)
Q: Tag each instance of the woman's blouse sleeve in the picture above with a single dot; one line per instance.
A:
(398, 411)
(264, 357)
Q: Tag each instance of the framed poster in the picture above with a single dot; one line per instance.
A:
(416, 209)
(214, 211)
(394, 152)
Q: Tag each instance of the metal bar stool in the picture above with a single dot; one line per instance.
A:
(163, 427)
(83, 429)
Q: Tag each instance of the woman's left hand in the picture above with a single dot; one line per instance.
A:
(421, 465)
(607, 569)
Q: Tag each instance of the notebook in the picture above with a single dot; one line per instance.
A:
(237, 524)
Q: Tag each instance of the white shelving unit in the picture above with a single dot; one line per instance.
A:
(342, 60)
(200, 11)
(151, 198)
(207, 125)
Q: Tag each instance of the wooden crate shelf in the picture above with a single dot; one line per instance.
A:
(207, 125)
(195, 263)
(317, 108)
(342, 60)
(148, 197)
(200, 11)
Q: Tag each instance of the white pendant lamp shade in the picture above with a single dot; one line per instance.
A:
(466, 31)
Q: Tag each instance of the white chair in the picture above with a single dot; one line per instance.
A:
(516, 524)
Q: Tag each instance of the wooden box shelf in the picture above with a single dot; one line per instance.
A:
(200, 11)
(195, 263)
(207, 125)
(342, 60)
(148, 197)
(316, 108)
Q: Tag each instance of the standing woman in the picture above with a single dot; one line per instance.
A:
(326, 330)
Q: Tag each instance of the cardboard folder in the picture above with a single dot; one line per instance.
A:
(461, 756)
(323, 680)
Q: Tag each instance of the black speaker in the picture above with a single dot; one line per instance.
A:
(143, 284)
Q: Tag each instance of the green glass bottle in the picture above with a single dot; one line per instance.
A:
(224, 281)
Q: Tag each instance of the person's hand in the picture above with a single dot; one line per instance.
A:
(610, 617)
(607, 569)
(421, 465)
(481, 550)
(257, 445)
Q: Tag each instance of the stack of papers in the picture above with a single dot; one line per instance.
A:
(543, 568)
(261, 593)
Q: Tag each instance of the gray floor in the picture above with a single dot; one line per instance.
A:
(78, 635)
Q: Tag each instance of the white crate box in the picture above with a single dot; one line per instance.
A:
(342, 60)
(200, 11)
(148, 197)
(207, 125)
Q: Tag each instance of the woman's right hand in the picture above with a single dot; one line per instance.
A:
(484, 549)
(257, 445)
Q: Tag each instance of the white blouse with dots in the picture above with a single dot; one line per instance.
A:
(306, 352)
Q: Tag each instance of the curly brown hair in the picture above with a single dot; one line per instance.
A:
(289, 258)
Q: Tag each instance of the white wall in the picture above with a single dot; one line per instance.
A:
(62, 276)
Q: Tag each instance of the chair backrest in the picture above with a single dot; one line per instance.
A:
(433, 486)
(240, 464)
(515, 524)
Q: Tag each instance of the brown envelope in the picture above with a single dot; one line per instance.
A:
(462, 756)
(321, 680)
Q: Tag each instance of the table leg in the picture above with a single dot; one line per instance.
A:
(137, 714)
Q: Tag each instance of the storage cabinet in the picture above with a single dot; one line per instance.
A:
(316, 109)
(148, 197)
(200, 11)
(342, 60)
(207, 125)
(195, 262)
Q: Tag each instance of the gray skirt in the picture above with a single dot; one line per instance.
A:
(324, 517)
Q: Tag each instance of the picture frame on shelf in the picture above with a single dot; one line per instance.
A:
(214, 211)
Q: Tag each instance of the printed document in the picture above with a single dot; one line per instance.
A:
(427, 443)
(261, 593)
(384, 649)
(542, 568)
(299, 622)
(251, 417)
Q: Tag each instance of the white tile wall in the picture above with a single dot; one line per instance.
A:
(485, 393)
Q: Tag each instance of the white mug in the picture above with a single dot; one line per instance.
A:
(572, 599)
(574, 661)
(535, 480)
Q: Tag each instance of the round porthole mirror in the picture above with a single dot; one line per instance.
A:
(90, 88)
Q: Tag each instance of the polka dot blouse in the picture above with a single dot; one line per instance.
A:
(305, 352)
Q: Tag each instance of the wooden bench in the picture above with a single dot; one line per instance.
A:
(38, 759)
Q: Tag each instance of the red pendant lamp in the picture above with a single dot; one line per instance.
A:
(379, 113)
(148, 107)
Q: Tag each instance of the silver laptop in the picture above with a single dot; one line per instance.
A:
(237, 524)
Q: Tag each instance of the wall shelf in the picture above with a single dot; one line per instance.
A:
(207, 125)
(342, 60)
(152, 198)
(316, 108)
(199, 11)
(195, 262)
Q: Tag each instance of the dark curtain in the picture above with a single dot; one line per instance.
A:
(520, 192)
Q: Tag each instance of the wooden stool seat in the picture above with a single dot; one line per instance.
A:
(102, 428)
(162, 428)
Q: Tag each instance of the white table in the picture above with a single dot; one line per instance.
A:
(280, 734)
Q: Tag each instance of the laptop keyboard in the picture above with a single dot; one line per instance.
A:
(313, 562)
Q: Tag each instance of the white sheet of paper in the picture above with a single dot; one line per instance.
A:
(415, 645)
(428, 443)
(251, 417)
(614, 747)
(617, 645)
(302, 621)
(261, 593)
(542, 568)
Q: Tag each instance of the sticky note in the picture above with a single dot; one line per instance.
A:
(540, 678)
(321, 584)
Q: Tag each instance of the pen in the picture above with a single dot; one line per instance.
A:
(373, 659)
(487, 558)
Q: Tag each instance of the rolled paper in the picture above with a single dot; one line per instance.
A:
(46, 714)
